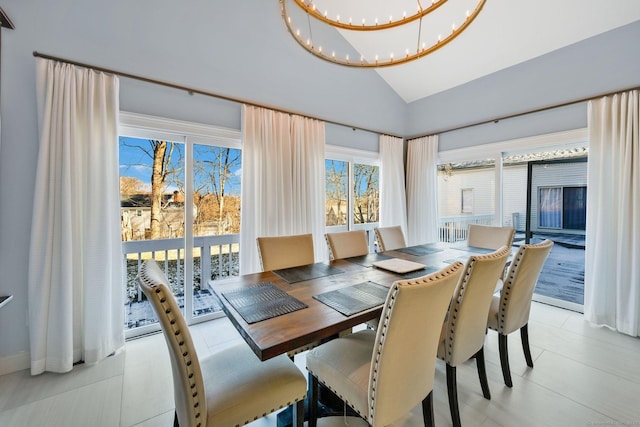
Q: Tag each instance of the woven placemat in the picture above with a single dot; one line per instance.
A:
(367, 260)
(262, 301)
(473, 249)
(307, 272)
(419, 250)
(418, 273)
(356, 298)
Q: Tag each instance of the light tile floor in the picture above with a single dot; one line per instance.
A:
(583, 376)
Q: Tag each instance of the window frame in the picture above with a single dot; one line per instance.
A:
(352, 156)
(189, 133)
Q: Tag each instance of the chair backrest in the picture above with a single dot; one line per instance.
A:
(347, 244)
(466, 324)
(405, 352)
(517, 290)
(285, 251)
(188, 385)
(390, 238)
(488, 237)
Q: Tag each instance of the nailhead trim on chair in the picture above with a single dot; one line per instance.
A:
(453, 311)
(385, 325)
(185, 353)
(508, 284)
(331, 256)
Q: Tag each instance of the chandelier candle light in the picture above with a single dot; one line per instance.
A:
(398, 38)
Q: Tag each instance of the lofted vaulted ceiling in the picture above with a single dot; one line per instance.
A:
(505, 33)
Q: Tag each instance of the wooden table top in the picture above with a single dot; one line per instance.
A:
(280, 334)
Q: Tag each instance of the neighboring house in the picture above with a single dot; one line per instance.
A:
(466, 193)
(135, 216)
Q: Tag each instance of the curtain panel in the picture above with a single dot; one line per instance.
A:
(76, 310)
(282, 181)
(393, 201)
(612, 255)
(422, 190)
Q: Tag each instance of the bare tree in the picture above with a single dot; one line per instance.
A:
(220, 170)
(161, 170)
(366, 193)
(130, 185)
(336, 188)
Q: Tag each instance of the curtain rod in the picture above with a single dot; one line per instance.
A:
(192, 90)
(511, 116)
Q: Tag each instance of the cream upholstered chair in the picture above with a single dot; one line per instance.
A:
(285, 251)
(347, 244)
(390, 238)
(384, 374)
(229, 388)
(509, 311)
(488, 237)
(464, 330)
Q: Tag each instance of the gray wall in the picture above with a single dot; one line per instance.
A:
(240, 49)
(602, 64)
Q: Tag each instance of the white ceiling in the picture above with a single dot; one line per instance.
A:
(506, 32)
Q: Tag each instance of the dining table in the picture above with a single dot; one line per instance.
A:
(279, 311)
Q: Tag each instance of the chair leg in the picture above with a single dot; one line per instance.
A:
(453, 395)
(175, 420)
(313, 401)
(482, 373)
(427, 410)
(504, 359)
(298, 414)
(524, 334)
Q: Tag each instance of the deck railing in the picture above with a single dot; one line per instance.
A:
(454, 228)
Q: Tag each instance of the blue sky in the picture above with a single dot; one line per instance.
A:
(134, 162)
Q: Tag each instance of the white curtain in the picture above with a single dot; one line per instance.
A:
(76, 302)
(422, 190)
(393, 202)
(612, 258)
(282, 181)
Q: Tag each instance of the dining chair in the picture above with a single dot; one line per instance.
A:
(509, 311)
(488, 237)
(231, 387)
(347, 244)
(463, 332)
(382, 375)
(279, 252)
(390, 238)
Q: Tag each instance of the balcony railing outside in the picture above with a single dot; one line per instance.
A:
(214, 257)
(454, 228)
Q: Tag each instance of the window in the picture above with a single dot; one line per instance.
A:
(352, 189)
(550, 215)
(180, 205)
(366, 194)
(336, 200)
(563, 208)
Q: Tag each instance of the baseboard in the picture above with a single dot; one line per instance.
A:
(559, 303)
(14, 363)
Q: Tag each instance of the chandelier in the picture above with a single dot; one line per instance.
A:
(392, 38)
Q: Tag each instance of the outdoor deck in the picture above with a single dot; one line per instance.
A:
(563, 274)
